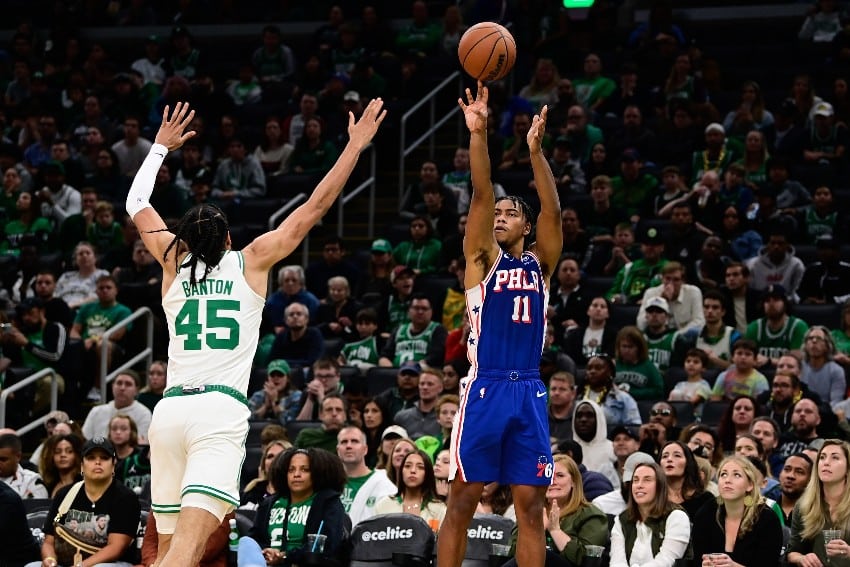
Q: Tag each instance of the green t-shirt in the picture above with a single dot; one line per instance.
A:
(16, 230)
(661, 349)
(352, 487)
(641, 380)
(842, 341)
(589, 91)
(634, 278)
(633, 196)
(96, 319)
(296, 523)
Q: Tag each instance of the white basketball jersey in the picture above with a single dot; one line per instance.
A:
(213, 326)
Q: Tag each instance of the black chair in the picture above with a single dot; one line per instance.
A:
(380, 378)
(623, 315)
(828, 315)
(250, 465)
(388, 540)
(484, 531)
(712, 412)
(36, 504)
(254, 430)
(332, 348)
(597, 285)
(684, 413)
(644, 407)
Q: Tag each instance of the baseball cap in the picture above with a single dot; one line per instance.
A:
(382, 245)
(28, 304)
(278, 365)
(650, 235)
(630, 431)
(101, 443)
(657, 302)
(824, 109)
(397, 431)
(351, 96)
(630, 155)
(410, 367)
(399, 271)
(632, 462)
(774, 290)
(562, 141)
(715, 127)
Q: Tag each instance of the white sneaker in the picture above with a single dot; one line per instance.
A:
(94, 395)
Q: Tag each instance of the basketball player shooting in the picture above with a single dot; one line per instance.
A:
(502, 432)
(213, 299)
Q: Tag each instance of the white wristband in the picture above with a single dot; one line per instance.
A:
(140, 191)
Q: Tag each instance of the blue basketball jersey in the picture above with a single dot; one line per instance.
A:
(507, 316)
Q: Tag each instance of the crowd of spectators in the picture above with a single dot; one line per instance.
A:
(701, 307)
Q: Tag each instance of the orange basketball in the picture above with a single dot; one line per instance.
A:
(487, 51)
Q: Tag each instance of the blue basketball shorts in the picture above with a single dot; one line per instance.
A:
(501, 431)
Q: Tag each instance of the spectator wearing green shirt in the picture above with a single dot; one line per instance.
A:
(592, 89)
(312, 153)
(636, 374)
(422, 252)
(776, 333)
(28, 225)
(92, 320)
(635, 277)
(582, 136)
(421, 36)
(633, 189)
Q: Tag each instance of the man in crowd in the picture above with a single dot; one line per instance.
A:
(743, 302)
(26, 483)
(421, 419)
(792, 483)
(805, 420)
(777, 332)
(362, 486)
(716, 337)
(684, 300)
(326, 381)
(332, 415)
(406, 391)
(419, 340)
(562, 394)
(125, 387)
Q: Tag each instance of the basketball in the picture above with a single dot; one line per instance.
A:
(487, 51)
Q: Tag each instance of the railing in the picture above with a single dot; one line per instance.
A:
(146, 353)
(430, 99)
(273, 222)
(54, 397)
(369, 182)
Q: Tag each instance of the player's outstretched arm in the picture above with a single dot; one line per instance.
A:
(266, 250)
(550, 239)
(171, 135)
(479, 242)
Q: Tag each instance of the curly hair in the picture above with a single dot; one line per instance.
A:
(46, 466)
(203, 229)
(326, 470)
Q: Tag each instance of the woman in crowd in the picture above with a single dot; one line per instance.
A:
(453, 371)
(400, 449)
(755, 157)
(750, 115)
(599, 164)
(497, 499)
(824, 505)
(417, 491)
(272, 152)
(820, 372)
(102, 512)
(374, 283)
(684, 484)
(571, 522)
(26, 224)
(60, 461)
(308, 484)
(442, 461)
(261, 487)
(738, 528)
(76, 287)
(12, 187)
(682, 83)
(635, 372)
(312, 153)
(543, 88)
(421, 253)
(748, 445)
(133, 467)
(106, 176)
(597, 337)
(702, 440)
(338, 312)
(375, 421)
(736, 421)
(652, 530)
(150, 395)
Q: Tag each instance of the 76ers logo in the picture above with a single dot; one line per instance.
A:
(544, 467)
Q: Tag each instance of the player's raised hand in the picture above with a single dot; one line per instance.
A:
(537, 131)
(362, 131)
(476, 110)
(171, 132)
